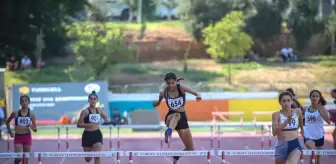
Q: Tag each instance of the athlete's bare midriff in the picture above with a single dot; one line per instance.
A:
(180, 110)
(287, 135)
(93, 127)
(22, 130)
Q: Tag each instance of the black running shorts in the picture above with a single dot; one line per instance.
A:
(91, 137)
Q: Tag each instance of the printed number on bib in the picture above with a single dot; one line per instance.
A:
(23, 121)
(311, 118)
(292, 123)
(94, 118)
(175, 103)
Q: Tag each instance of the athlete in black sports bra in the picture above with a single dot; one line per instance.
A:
(92, 138)
(176, 117)
(24, 121)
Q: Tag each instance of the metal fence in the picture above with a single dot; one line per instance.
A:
(302, 87)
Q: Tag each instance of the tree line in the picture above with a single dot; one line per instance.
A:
(23, 21)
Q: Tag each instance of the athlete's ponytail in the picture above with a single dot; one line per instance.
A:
(322, 101)
(93, 93)
(179, 79)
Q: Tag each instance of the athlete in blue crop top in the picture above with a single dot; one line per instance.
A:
(92, 138)
(24, 120)
(285, 124)
(176, 118)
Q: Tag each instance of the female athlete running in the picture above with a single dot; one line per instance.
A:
(285, 124)
(89, 119)
(176, 118)
(24, 119)
(332, 112)
(315, 115)
(296, 103)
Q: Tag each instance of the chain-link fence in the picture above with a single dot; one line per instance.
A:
(302, 88)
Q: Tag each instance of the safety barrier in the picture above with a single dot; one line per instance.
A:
(224, 154)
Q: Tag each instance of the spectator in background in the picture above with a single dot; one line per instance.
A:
(116, 117)
(284, 54)
(26, 62)
(12, 64)
(2, 119)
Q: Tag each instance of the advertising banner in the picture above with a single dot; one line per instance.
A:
(51, 101)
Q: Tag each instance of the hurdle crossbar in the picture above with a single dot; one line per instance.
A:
(15, 155)
(272, 152)
(255, 114)
(77, 154)
(169, 153)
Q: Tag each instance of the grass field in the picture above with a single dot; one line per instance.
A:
(301, 75)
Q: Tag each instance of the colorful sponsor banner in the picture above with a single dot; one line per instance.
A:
(51, 101)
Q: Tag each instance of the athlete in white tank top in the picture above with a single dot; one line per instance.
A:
(294, 123)
(313, 128)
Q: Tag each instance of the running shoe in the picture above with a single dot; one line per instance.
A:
(168, 135)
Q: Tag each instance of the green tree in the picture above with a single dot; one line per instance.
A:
(265, 24)
(330, 31)
(226, 39)
(304, 22)
(22, 21)
(97, 49)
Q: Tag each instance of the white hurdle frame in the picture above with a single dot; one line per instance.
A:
(199, 153)
(241, 114)
(41, 155)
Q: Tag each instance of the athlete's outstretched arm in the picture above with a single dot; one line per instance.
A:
(80, 123)
(324, 114)
(157, 102)
(276, 128)
(11, 116)
(189, 90)
(33, 123)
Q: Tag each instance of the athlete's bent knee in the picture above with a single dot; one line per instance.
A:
(88, 159)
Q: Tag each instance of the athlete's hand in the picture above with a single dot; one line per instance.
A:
(156, 103)
(302, 133)
(198, 98)
(11, 134)
(33, 128)
(289, 118)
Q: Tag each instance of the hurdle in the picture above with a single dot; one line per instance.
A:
(257, 113)
(241, 114)
(224, 153)
(23, 156)
(200, 153)
(41, 155)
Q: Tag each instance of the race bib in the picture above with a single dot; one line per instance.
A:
(292, 124)
(23, 121)
(175, 103)
(94, 118)
(311, 118)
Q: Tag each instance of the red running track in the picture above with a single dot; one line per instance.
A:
(201, 143)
